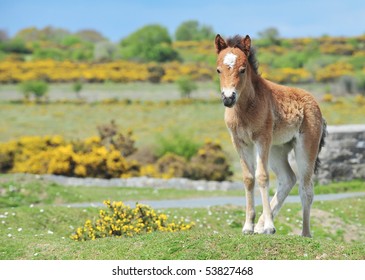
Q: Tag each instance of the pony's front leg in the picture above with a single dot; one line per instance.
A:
(247, 164)
(262, 179)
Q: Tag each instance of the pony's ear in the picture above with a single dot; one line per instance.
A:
(220, 44)
(246, 43)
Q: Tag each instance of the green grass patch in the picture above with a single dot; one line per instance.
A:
(335, 187)
(43, 233)
(177, 143)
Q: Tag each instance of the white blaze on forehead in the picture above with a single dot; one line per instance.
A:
(230, 60)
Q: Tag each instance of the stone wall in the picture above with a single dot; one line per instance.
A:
(343, 156)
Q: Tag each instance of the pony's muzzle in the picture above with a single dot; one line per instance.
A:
(229, 101)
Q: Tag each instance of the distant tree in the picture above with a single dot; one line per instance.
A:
(70, 40)
(105, 51)
(48, 33)
(28, 34)
(192, 31)
(52, 34)
(360, 83)
(271, 35)
(77, 87)
(37, 88)
(3, 35)
(186, 86)
(90, 35)
(149, 43)
(15, 45)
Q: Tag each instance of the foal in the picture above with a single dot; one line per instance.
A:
(266, 121)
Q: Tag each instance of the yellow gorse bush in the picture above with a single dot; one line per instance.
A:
(334, 71)
(122, 221)
(12, 71)
(53, 155)
(92, 158)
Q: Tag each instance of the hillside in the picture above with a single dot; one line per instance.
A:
(73, 57)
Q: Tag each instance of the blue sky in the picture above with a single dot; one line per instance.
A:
(116, 19)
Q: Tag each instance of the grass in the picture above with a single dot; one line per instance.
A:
(33, 225)
(43, 233)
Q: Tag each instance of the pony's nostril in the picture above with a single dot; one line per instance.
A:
(233, 95)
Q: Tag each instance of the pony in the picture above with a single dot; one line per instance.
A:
(266, 121)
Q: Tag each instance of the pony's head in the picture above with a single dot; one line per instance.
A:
(232, 62)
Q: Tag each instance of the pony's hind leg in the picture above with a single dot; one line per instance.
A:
(306, 150)
(286, 180)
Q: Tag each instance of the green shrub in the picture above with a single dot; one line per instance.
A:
(77, 87)
(149, 43)
(36, 88)
(176, 143)
(291, 60)
(360, 83)
(186, 85)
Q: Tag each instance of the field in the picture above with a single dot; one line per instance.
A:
(39, 227)
(36, 222)
(148, 117)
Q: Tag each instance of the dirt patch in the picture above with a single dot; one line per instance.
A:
(333, 224)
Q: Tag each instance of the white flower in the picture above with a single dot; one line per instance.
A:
(50, 232)
(9, 235)
(35, 254)
(31, 206)
(42, 210)
(20, 229)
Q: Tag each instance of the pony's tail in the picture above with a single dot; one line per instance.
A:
(321, 144)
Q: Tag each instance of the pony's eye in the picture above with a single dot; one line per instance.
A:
(218, 71)
(242, 70)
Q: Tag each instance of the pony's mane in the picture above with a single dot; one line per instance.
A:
(236, 42)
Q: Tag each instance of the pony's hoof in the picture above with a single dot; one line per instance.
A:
(269, 231)
(247, 232)
(306, 235)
